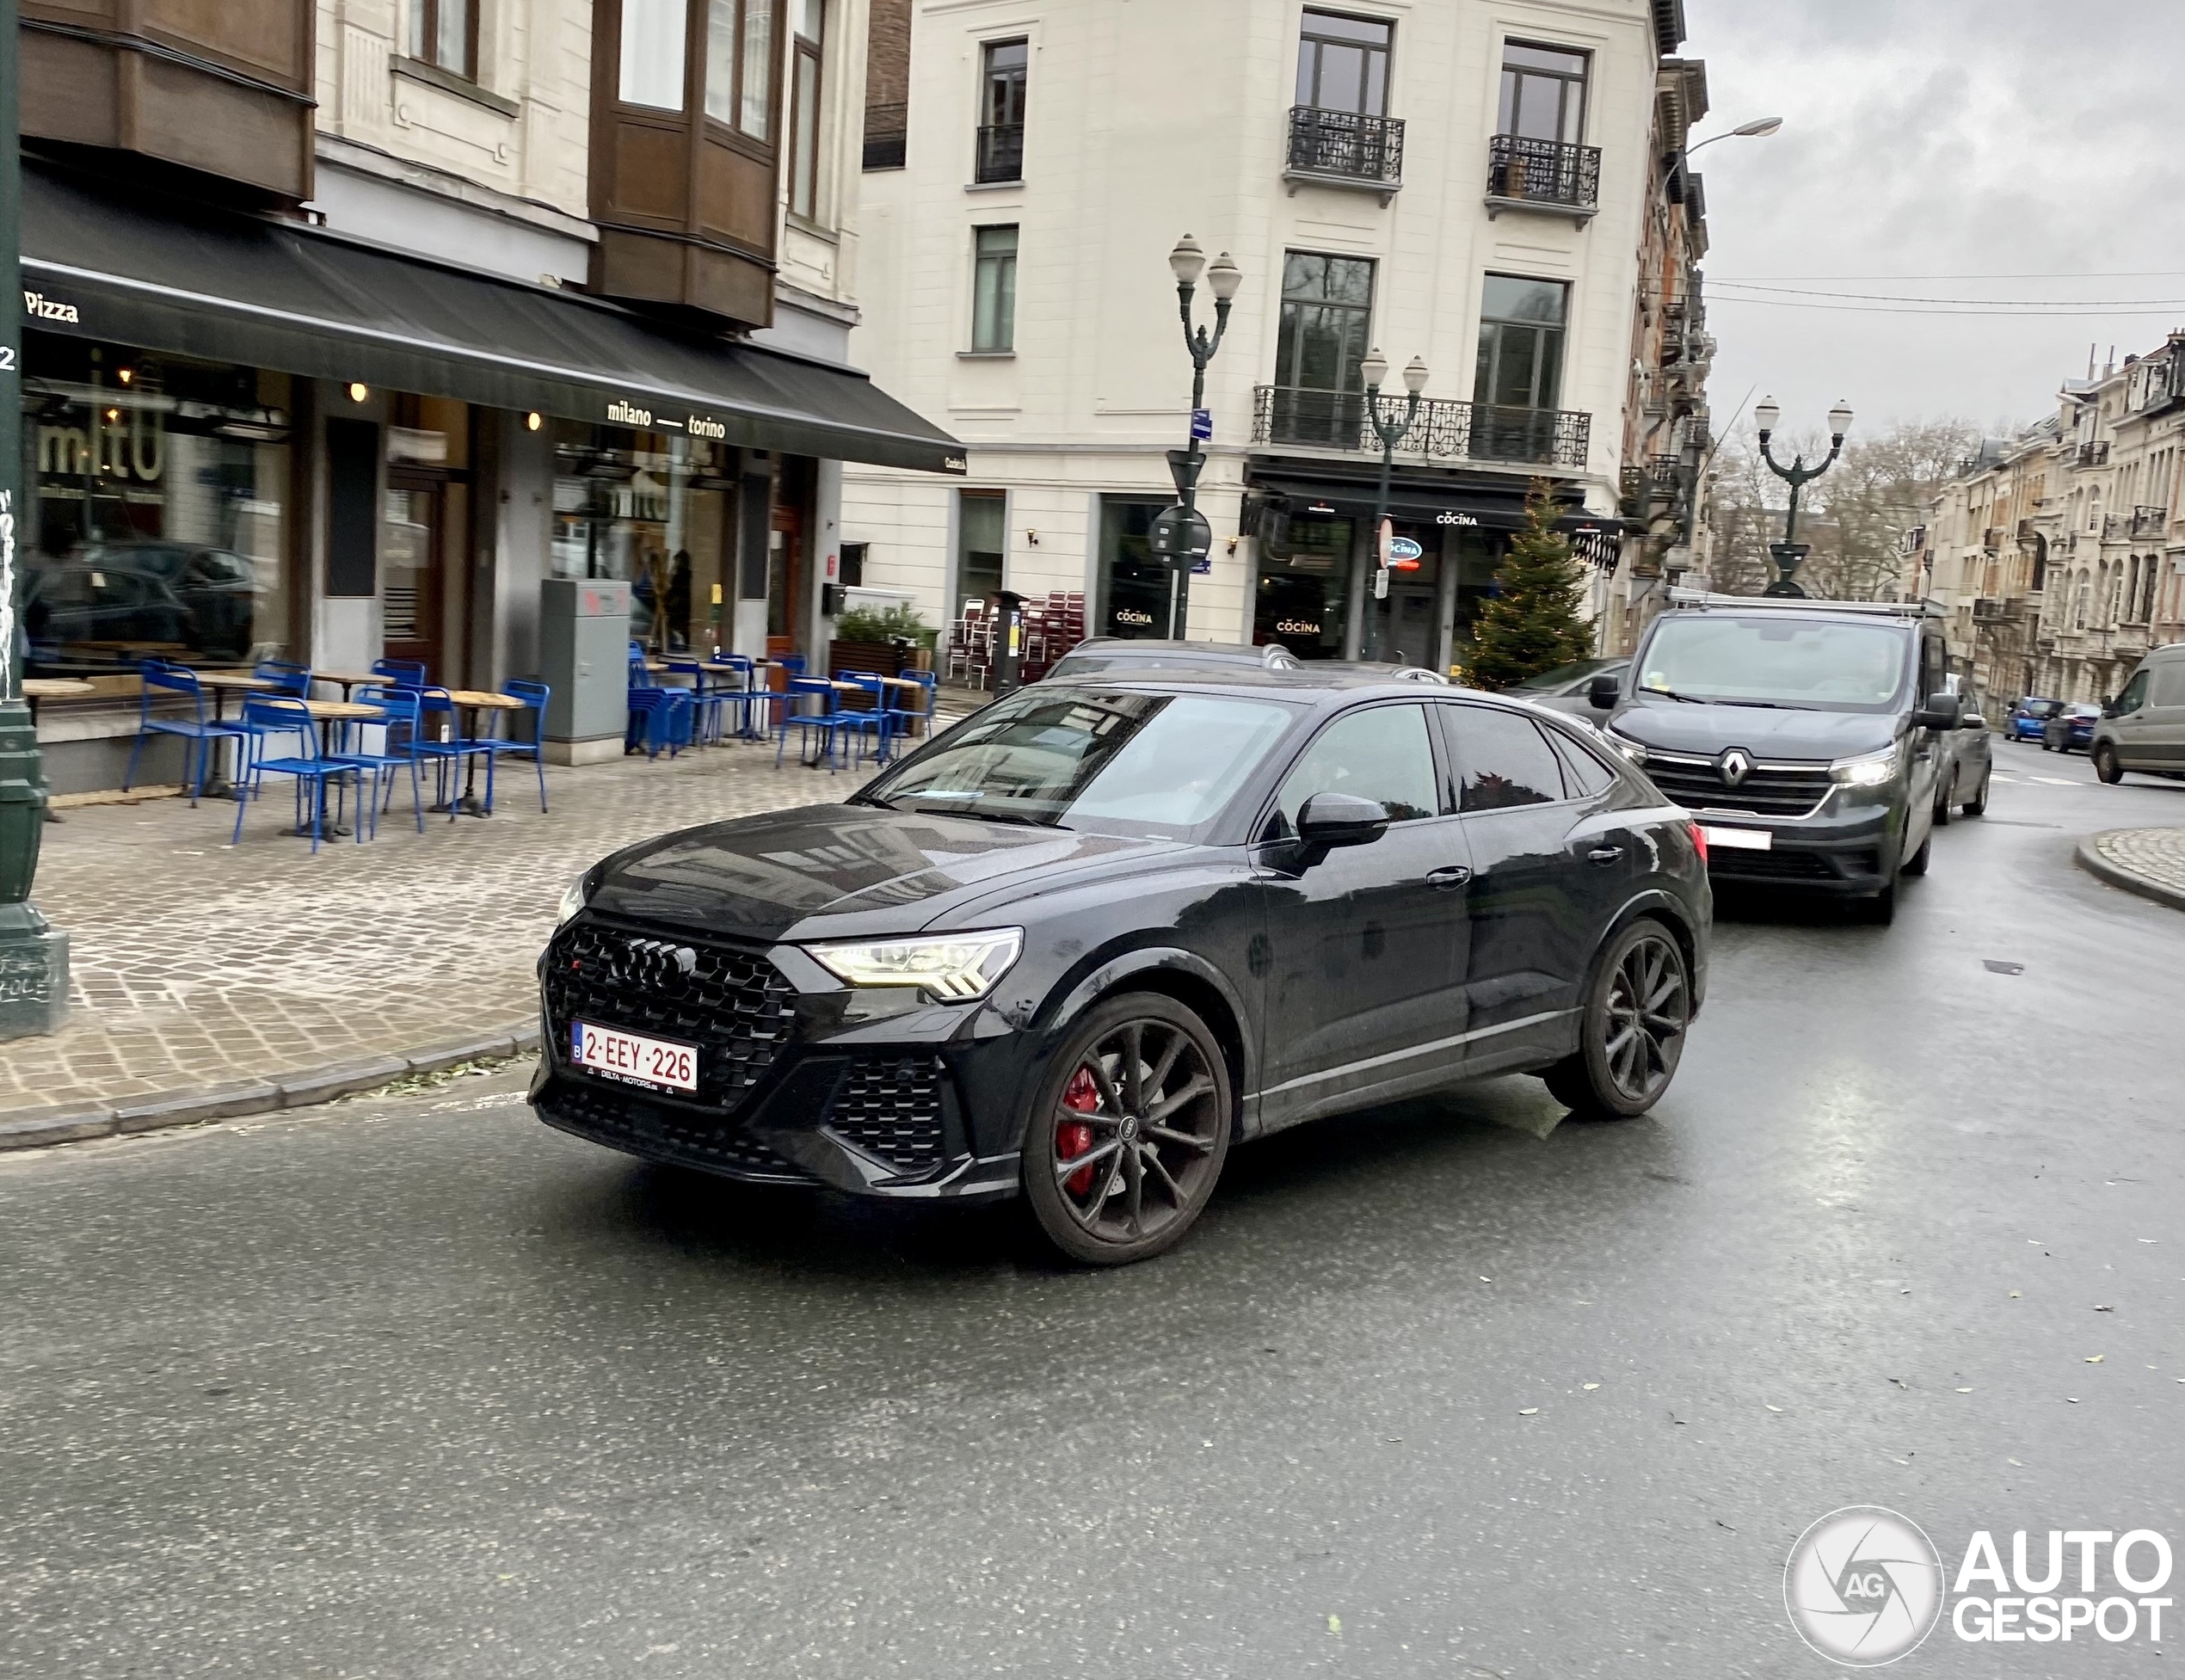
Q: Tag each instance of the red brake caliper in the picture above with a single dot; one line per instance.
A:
(1074, 1138)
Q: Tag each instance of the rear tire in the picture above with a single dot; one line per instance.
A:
(1140, 1095)
(1631, 1032)
(1977, 804)
(2106, 766)
(1942, 805)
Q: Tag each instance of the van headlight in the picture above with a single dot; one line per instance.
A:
(954, 966)
(1867, 770)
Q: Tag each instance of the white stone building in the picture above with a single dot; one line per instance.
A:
(1463, 183)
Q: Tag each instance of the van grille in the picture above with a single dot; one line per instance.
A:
(1696, 783)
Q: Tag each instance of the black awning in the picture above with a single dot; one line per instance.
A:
(1417, 498)
(237, 288)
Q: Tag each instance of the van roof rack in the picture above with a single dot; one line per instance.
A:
(1923, 608)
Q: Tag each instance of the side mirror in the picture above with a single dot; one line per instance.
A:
(1939, 713)
(2108, 705)
(1602, 693)
(1973, 719)
(1340, 819)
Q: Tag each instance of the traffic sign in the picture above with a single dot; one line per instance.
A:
(1184, 466)
(1181, 535)
(1201, 422)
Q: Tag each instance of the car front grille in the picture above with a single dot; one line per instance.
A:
(1741, 865)
(734, 1005)
(626, 1119)
(1696, 783)
(890, 1106)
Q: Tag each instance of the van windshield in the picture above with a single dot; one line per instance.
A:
(1770, 660)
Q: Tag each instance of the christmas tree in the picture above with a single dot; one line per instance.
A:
(1534, 620)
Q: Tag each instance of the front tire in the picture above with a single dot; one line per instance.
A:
(1129, 1131)
(2106, 766)
(1977, 804)
(1631, 1037)
(1917, 863)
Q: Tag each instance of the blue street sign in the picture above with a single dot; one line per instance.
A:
(1204, 566)
(1201, 422)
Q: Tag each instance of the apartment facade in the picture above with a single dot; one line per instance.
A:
(2060, 554)
(352, 324)
(1468, 185)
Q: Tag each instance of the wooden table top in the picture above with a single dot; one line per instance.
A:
(135, 646)
(351, 677)
(234, 680)
(486, 698)
(57, 688)
(341, 711)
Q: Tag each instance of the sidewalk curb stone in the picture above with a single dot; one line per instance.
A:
(323, 1085)
(2090, 859)
(72, 1125)
(457, 1050)
(190, 1108)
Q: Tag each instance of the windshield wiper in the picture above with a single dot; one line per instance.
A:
(984, 816)
(1671, 694)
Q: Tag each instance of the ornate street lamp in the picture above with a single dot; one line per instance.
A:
(1187, 262)
(1373, 370)
(1790, 551)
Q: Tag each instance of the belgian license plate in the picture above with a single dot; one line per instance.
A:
(632, 1059)
(1741, 840)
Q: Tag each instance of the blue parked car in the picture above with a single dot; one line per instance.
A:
(2070, 726)
(2028, 717)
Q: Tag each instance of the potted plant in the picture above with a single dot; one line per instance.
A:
(870, 639)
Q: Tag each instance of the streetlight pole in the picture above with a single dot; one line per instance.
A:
(34, 956)
(1790, 551)
(1375, 369)
(1186, 261)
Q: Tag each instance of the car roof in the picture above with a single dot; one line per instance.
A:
(1304, 680)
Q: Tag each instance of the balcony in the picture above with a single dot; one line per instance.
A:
(2094, 454)
(1443, 429)
(1001, 153)
(2148, 522)
(2116, 527)
(1552, 176)
(887, 127)
(1991, 538)
(1345, 149)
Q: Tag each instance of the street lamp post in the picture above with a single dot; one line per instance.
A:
(1186, 262)
(1375, 369)
(1790, 551)
(1758, 128)
(34, 956)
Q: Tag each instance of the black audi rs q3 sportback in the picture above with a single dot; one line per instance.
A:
(1078, 945)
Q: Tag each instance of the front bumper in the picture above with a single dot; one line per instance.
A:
(1840, 852)
(802, 1080)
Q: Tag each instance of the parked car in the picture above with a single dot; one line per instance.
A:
(1098, 654)
(2143, 727)
(2069, 725)
(1077, 946)
(1807, 735)
(1967, 766)
(2028, 717)
(1570, 687)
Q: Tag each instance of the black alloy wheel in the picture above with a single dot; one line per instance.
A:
(1129, 1131)
(1977, 804)
(1942, 802)
(2106, 766)
(1631, 1035)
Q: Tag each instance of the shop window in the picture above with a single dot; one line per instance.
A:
(1135, 590)
(653, 511)
(981, 544)
(157, 492)
(1302, 597)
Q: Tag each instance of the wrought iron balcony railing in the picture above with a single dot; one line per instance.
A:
(1001, 152)
(1346, 147)
(1443, 428)
(886, 128)
(2094, 454)
(1548, 174)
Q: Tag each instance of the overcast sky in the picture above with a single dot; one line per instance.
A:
(1938, 137)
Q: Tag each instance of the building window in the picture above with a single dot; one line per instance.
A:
(804, 121)
(1001, 110)
(739, 63)
(1521, 342)
(443, 33)
(982, 539)
(1543, 93)
(1327, 323)
(1343, 64)
(994, 289)
(652, 54)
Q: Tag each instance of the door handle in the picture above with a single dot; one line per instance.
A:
(1605, 854)
(1454, 875)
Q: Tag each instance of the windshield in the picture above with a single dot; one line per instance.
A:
(1153, 765)
(1816, 664)
(1564, 674)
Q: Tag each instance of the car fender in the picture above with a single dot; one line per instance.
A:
(1659, 902)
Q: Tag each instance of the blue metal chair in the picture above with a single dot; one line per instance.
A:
(708, 699)
(658, 717)
(448, 751)
(286, 676)
(875, 721)
(534, 695)
(919, 710)
(400, 718)
(828, 723)
(311, 771)
(406, 673)
(198, 734)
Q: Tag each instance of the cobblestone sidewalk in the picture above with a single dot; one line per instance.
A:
(198, 965)
(2147, 861)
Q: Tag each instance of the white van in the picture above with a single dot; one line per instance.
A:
(2143, 727)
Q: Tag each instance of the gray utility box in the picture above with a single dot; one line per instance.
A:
(584, 657)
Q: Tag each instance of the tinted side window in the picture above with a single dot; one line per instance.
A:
(1382, 752)
(1583, 773)
(2134, 695)
(1501, 760)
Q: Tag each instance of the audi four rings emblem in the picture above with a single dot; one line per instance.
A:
(657, 962)
(1735, 766)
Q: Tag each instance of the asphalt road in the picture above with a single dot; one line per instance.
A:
(420, 1388)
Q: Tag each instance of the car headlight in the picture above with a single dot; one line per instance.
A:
(575, 896)
(954, 966)
(1630, 748)
(1867, 770)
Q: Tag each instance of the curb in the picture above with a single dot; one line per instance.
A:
(2116, 875)
(230, 1100)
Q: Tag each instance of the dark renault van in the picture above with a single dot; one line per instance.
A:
(1806, 736)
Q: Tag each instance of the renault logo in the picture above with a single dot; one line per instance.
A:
(1735, 765)
(656, 964)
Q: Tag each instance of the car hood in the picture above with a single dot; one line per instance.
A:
(856, 869)
(1675, 726)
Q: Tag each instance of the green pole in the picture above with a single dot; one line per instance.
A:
(33, 955)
